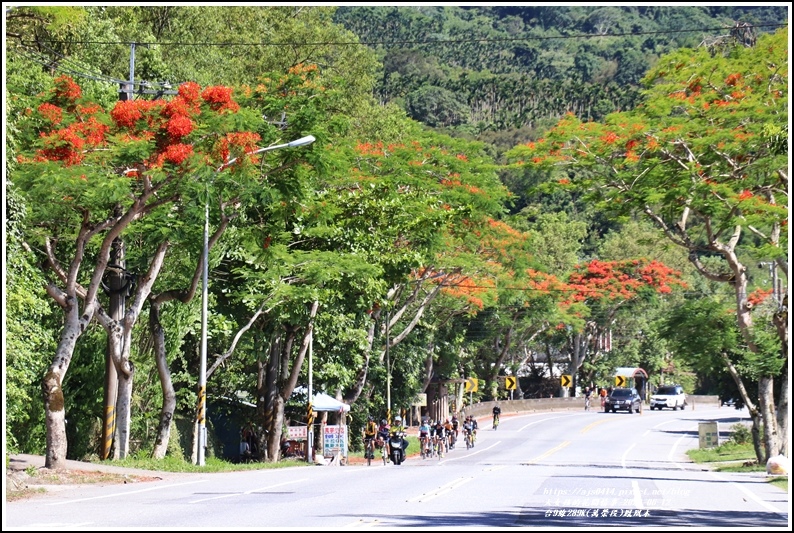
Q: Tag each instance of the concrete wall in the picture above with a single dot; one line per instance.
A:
(485, 409)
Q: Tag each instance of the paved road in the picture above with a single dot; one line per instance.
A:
(554, 470)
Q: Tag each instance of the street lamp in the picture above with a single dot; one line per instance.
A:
(202, 394)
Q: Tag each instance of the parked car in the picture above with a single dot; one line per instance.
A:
(624, 400)
(671, 396)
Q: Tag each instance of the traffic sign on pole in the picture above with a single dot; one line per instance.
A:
(510, 383)
(565, 381)
(620, 381)
(471, 384)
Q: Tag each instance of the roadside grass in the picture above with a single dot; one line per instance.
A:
(734, 457)
(211, 464)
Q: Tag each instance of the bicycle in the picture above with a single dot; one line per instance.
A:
(469, 441)
(495, 421)
(424, 443)
(587, 403)
(369, 450)
(384, 453)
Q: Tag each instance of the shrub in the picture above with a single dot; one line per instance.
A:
(740, 434)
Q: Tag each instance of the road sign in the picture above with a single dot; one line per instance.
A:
(565, 381)
(620, 381)
(510, 383)
(421, 400)
(471, 385)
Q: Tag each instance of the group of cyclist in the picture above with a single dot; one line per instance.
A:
(433, 435)
(438, 437)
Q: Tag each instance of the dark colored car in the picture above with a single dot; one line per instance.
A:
(623, 400)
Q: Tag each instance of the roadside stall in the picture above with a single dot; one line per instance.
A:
(335, 437)
(632, 377)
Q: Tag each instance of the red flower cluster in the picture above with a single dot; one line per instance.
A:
(219, 98)
(126, 113)
(245, 142)
(63, 145)
(745, 195)
(176, 153)
(66, 89)
(53, 113)
(190, 91)
(178, 126)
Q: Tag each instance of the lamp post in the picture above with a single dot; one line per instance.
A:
(388, 371)
(202, 393)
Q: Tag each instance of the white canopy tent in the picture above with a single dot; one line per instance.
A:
(324, 402)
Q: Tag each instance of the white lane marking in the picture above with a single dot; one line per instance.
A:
(752, 496)
(635, 486)
(543, 420)
(248, 491)
(623, 457)
(470, 454)
(124, 494)
(672, 452)
(440, 490)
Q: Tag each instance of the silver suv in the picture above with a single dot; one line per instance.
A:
(671, 396)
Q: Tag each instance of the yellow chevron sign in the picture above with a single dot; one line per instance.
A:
(620, 381)
(565, 381)
(510, 383)
(471, 385)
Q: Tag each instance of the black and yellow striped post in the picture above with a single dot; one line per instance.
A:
(309, 432)
(109, 430)
(388, 416)
(202, 402)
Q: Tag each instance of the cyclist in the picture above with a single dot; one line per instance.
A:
(473, 430)
(383, 431)
(467, 429)
(496, 412)
(587, 394)
(370, 432)
(449, 434)
(455, 425)
(440, 437)
(424, 437)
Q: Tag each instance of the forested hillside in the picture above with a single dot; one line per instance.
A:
(224, 204)
(489, 71)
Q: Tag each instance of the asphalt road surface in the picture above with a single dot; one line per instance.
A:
(562, 469)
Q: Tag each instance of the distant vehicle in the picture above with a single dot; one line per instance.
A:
(623, 400)
(735, 402)
(671, 396)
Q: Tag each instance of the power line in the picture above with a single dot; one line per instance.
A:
(402, 43)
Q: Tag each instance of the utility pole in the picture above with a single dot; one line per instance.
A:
(117, 287)
(117, 305)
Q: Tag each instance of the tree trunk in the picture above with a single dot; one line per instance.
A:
(55, 421)
(123, 404)
(169, 395)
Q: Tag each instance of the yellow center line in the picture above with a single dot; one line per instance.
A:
(553, 450)
(594, 424)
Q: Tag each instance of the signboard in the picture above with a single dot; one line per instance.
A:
(511, 383)
(620, 381)
(421, 400)
(708, 435)
(471, 385)
(334, 440)
(565, 381)
(296, 432)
